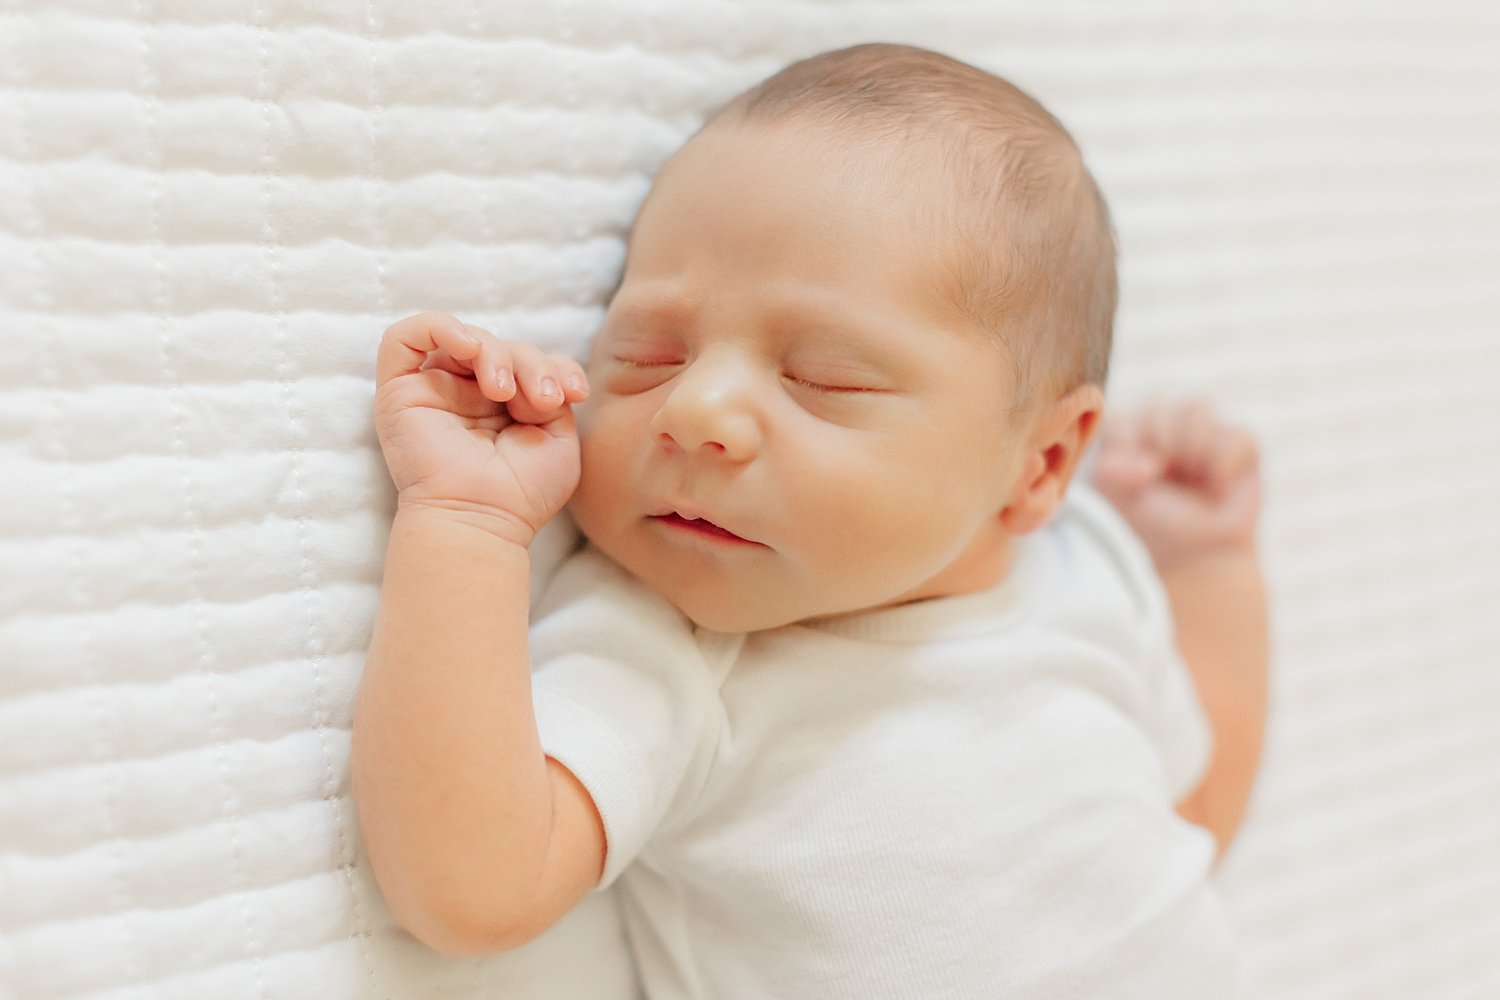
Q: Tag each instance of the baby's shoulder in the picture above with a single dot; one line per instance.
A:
(1096, 544)
(1095, 580)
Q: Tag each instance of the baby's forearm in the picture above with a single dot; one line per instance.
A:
(449, 778)
(1219, 604)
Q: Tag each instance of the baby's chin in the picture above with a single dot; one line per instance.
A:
(737, 609)
(735, 618)
(720, 612)
(747, 610)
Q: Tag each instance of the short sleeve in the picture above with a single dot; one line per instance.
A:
(1128, 886)
(625, 699)
(1122, 902)
(1173, 717)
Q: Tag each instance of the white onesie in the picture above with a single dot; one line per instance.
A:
(963, 797)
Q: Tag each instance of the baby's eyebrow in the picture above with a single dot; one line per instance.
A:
(656, 307)
(846, 326)
(830, 323)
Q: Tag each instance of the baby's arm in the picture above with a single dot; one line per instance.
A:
(1190, 487)
(479, 841)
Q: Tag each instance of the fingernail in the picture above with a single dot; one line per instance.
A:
(465, 335)
(502, 378)
(576, 384)
(550, 389)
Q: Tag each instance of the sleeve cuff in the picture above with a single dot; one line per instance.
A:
(584, 742)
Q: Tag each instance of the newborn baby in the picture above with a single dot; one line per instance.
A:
(847, 691)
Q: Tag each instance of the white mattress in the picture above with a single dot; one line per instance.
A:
(207, 216)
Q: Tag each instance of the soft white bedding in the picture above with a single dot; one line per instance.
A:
(209, 210)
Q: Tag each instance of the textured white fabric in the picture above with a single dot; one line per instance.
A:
(209, 210)
(963, 797)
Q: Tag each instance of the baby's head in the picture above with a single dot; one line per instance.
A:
(1010, 205)
(857, 348)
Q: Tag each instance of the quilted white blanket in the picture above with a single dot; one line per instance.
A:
(209, 210)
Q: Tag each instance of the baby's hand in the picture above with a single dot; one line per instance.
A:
(1188, 483)
(473, 424)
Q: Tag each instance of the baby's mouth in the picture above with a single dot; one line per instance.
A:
(700, 526)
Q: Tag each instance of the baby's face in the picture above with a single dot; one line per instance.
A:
(789, 418)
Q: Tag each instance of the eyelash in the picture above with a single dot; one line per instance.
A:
(820, 387)
(632, 362)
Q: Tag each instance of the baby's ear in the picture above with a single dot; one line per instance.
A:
(1060, 434)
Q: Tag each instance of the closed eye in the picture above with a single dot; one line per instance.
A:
(827, 387)
(644, 362)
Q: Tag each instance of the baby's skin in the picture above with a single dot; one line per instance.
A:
(777, 422)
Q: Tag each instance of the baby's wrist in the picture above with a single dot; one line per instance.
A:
(501, 525)
(1204, 563)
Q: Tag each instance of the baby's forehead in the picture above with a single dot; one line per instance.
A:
(907, 211)
(909, 182)
(951, 181)
(795, 312)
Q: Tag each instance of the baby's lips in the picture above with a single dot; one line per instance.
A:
(688, 514)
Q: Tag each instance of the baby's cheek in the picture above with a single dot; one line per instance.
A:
(586, 413)
(599, 439)
(593, 490)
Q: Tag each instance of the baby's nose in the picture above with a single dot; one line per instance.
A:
(711, 409)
